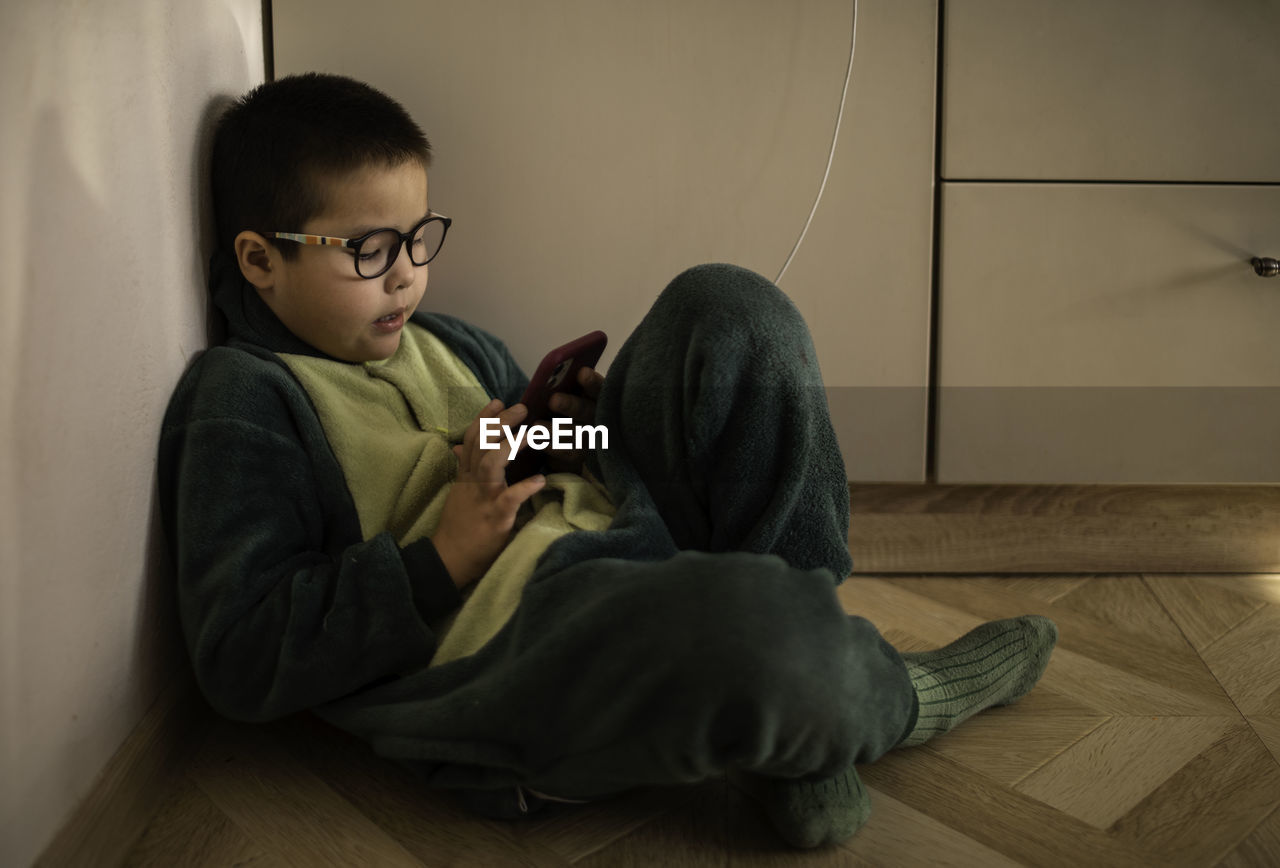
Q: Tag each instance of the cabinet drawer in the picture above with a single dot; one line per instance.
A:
(1138, 90)
(1108, 333)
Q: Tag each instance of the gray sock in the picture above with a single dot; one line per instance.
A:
(811, 812)
(997, 663)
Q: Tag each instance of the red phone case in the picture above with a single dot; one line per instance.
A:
(558, 372)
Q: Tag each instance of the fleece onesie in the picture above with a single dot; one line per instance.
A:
(698, 631)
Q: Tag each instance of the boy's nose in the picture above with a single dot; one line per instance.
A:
(400, 274)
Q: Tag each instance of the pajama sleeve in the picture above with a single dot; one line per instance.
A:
(283, 605)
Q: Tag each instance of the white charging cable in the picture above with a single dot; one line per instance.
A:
(835, 136)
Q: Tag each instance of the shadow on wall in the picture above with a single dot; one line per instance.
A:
(205, 239)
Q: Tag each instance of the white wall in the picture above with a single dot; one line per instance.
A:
(102, 259)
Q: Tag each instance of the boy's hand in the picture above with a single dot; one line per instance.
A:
(580, 408)
(480, 509)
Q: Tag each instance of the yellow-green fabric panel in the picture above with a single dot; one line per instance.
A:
(391, 425)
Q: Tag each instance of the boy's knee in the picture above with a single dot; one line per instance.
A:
(754, 618)
(730, 293)
(771, 656)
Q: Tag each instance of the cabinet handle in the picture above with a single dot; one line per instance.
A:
(1265, 266)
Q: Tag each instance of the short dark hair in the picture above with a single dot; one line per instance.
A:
(273, 148)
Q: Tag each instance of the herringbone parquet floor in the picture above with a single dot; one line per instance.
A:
(1153, 739)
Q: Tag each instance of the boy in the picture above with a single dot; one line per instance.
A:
(664, 615)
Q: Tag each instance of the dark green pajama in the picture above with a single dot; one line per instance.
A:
(700, 631)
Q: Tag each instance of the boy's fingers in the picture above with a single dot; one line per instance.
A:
(491, 466)
(471, 437)
(562, 403)
(473, 429)
(523, 490)
(513, 414)
(467, 459)
(591, 381)
(493, 408)
(579, 409)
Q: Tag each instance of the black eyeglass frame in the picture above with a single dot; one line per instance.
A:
(355, 243)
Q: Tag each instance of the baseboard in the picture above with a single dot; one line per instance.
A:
(130, 787)
(901, 528)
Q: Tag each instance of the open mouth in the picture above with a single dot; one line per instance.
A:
(390, 322)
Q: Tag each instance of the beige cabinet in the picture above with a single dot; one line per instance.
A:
(1108, 332)
(1124, 90)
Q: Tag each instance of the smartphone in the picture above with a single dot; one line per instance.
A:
(558, 372)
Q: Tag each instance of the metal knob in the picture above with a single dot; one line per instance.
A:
(1265, 266)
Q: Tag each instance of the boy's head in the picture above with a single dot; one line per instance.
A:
(275, 148)
(328, 156)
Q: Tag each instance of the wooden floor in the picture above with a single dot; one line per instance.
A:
(1153, 739)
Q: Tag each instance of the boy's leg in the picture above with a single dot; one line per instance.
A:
(721, 441)
(619, 673)
(715, 404)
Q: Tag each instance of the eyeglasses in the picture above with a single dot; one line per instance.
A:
(375, 252)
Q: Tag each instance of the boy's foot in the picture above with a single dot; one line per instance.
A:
(811, 812)
(997, 663)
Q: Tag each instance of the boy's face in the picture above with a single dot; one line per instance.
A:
(319, 296)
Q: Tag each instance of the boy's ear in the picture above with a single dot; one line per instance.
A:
(257, 260)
